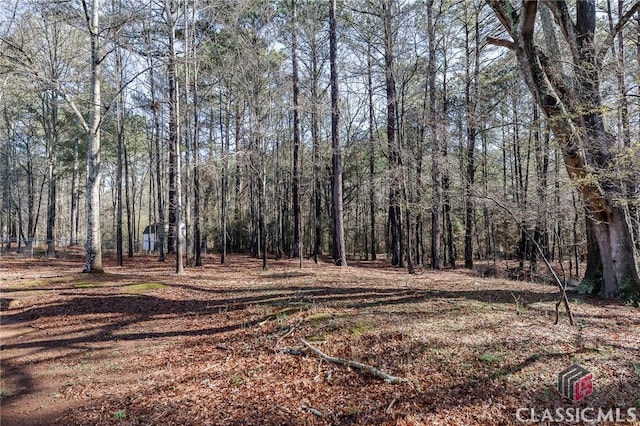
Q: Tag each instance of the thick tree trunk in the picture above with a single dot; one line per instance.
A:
(575, 116)
(611, 231)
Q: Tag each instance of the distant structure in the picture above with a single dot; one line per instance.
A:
(151, 236)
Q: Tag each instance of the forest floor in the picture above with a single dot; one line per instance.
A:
(221, 345)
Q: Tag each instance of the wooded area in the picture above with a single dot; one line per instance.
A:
(428, 133)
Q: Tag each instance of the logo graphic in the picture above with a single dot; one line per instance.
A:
(575, 383)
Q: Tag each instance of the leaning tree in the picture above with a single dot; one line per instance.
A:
(562, 68)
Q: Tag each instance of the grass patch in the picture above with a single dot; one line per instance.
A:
(317, 337)
(236, 379)
(31, 293)
(361, 327)
(316, 319)
(5, 393)
(34, 283)
(143, 287)
(84, 284)
(490, 358)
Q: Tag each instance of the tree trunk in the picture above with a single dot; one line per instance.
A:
(120, 117)
(315, 136)
(157, 147)
(395, 173)
(576, 119)
(372, 156)
(73, 235)
(297, 214)
(197, 233)
(436, 175)
(129, 200)
(93, 262)
(472, 72)
(339, 255)
(175, 187)
(51, 199)
(224, 200)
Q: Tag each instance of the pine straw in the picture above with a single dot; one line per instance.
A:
(213, 347)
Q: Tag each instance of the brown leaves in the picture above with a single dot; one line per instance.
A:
(208, 347)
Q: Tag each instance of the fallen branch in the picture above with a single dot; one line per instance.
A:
(363, 368)
(311, 410)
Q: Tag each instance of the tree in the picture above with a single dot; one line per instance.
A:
(297, 214)
(339, 255)
(436, 174)
(93, 246)
(175, 187)
(570, 98)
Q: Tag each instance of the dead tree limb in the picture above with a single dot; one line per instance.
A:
(563, 289)
(362, 368)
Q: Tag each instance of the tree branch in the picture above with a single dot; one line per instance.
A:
(363, 368)
(500, 8)
(561, 15)
(563, 296)
(501, 42)
(606, 44)
(76, 111)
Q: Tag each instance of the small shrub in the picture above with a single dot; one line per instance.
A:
(586, 287)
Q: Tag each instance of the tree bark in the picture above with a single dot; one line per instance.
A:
(50, 119)
(395, 172)
(297, 214)
(93, 262)
(175, 187)
(119, 162)
(372, 156)
(224, 200)
(339, 255)
(73, 234)
(436, 175)
(315, 136)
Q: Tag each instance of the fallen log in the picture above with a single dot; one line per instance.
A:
(362, 368)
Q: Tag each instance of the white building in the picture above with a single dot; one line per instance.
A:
(151, 235)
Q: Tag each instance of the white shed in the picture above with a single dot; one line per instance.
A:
(151, 235)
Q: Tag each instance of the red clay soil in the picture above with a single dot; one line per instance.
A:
(221, 345)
